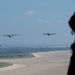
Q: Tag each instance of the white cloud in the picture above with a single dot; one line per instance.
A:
(30, 13)
(42, 21)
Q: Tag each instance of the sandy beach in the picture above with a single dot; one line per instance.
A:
(44, 63)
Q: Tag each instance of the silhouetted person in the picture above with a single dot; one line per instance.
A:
(72, 22)
(71, 69)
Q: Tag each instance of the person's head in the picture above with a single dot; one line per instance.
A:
(72, 22)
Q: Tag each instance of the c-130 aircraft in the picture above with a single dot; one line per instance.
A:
(48, 34)
(10, 35)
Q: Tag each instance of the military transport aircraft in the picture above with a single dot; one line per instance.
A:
(48, 34)
(10, 35)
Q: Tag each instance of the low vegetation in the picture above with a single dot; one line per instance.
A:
(5, 64)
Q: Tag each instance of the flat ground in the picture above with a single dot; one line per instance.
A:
(45, 63)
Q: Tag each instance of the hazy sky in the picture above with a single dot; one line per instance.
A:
(31, 18)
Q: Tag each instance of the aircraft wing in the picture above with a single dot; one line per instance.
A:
(44, 34)
(52, 33)
(3, 35)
